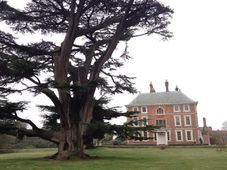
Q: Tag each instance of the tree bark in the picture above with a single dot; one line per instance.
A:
(71, 144)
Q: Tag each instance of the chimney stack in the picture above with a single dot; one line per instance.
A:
(204, 122)
(167, 86)
(152, 90)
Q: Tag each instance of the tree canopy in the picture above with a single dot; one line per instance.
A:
(71, 73)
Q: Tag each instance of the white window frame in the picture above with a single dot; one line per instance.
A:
(175, 120)
(184, 108)
(169, 131)
(160, 113)
(174, 108)
(185, 120)
(135, 109)
(164, 120)
(186, 135)
(145, 109)
(181, 132)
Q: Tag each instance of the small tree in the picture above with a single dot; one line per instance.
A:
(81, 65)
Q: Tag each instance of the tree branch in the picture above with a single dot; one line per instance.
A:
(109, 75)
(34, 127)
(107, 22)
(44, 134)
(98, 65)
(51, 95)
(34, 132)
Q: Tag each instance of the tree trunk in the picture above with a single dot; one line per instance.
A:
(76, 109)
(72, 136)
(71, 144)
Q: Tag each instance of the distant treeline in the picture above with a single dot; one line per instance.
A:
(11, 142)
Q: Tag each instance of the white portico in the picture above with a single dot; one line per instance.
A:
(162, 137)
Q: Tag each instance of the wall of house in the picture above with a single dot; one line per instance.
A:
(168, 116)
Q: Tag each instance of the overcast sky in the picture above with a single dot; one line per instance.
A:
(194, 59)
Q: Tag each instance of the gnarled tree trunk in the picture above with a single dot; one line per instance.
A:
(76, 109)
(71, 143)
(71, 136)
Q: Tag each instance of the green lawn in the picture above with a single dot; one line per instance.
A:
(121, 159)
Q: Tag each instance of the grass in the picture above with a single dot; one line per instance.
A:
(121, 159)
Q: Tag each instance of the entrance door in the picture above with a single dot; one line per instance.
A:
(162, 138)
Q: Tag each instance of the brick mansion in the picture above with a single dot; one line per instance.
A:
(172, 111)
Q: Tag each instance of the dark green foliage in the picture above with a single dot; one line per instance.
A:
(96, 27)
(8, 109)
(99, 126)
(8, 114)
(50, 118)
(7, 125)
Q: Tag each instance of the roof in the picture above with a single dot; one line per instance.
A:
(161, 98)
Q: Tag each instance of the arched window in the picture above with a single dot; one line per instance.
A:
(160, 111)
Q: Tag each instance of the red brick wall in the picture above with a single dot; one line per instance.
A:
(170, 124)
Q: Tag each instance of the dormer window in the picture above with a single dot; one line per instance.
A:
(160, 111)
(176, 108)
